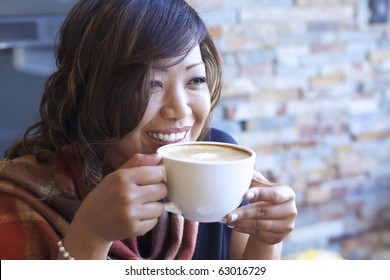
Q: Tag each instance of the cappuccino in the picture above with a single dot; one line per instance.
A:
(206, 153)
(205, 180)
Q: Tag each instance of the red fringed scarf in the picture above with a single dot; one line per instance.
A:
(33, 218)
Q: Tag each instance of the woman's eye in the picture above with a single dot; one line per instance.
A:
(155, 85)
(198, 81)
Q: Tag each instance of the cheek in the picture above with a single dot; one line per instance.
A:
(204, 107)
(201, 110)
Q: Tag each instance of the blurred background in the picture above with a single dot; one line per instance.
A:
(306, 85)
(28, 31)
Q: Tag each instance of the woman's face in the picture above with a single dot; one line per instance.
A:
(177, 110)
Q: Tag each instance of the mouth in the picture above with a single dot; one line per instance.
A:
(168, 137)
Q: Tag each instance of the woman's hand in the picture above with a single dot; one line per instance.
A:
(270, 216)
(125, 204)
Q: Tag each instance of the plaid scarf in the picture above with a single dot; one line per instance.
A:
(34, 216)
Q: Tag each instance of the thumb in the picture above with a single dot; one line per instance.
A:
(260, 179)
(142, 160)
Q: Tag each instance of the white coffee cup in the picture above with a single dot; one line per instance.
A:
(206, 180)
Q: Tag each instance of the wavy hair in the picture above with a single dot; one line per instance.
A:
(99, 92)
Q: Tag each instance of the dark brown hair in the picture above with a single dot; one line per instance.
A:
(99, 92)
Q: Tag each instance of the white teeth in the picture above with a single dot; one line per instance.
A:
(172, 137)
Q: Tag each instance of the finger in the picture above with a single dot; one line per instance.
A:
(142, 227)
(143, 175)
(142, 160)
(258, 179)
(258, 226)
(261, 210)
(257, 176)
(147, 211)
(268, 237)
(150, 193)
(152, 210)
(275, 194)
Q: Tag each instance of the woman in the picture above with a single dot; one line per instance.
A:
(133, 75)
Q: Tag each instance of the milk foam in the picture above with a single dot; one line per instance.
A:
(206, 153)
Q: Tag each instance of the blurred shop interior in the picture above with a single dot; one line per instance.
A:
(28, 31)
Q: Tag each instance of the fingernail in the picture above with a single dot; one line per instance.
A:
(250, 196)
(234, 218)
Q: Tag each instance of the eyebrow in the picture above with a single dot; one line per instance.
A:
(194, 65)
(165, 69)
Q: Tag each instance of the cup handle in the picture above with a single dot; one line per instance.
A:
(169, 206)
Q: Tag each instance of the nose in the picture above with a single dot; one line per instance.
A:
(176, 104)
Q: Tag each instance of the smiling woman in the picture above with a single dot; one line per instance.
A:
(90, 81)
(84, 181)
(177, 110)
